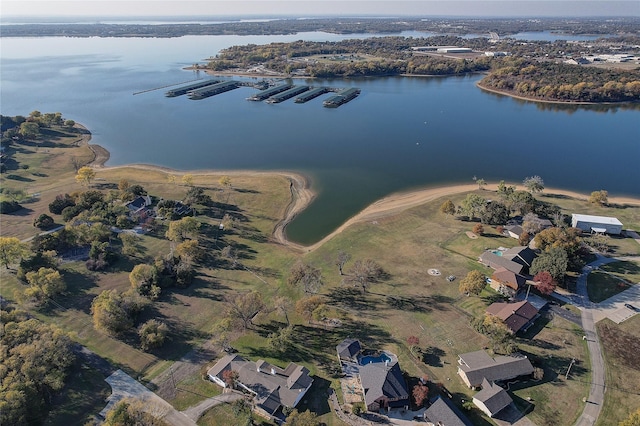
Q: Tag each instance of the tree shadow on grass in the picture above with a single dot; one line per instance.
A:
(316, 400)
(350, 298)
(432, 356)
(20, 178)
(77, 295)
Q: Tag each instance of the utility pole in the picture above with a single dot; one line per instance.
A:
(573, 361)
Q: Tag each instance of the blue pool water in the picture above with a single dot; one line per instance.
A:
(497, 252)
(369, 359)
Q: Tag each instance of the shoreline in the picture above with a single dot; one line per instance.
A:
(548, 101)
(302, 195)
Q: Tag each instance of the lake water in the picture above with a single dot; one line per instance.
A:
(399, 134)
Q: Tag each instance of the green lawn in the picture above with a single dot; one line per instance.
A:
(601, 286)
(625, 269)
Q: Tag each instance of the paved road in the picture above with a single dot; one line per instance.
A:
(596, 393)
(196, 411)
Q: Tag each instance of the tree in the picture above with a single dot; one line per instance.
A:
(135, 412)
(60, 203)
(478, 229)
(181, 229)
(284, 305)
(413, 342)
(481, 183)
(11, 250)
(341, 259)
(282, 340)
(554, 260)
(113, 312)
(534, 184)
(85, 175)
(505, 191)
(532, 223)
(152, 334)
(305, 307)
(473, 205)
(45, 283)
(309, 277)
(501, 336)
(143, 278)
(189, 251)
(130, 246)
(69, 123)
(566, 238)
(29, 130)
(36, 359)
(521, 201)
(43, 221)
(229, 377)
(494, 213)
(187, 179)
(225, 181)
(244, 307)
(545, 283)
(524, 239)
(632, 420)
(305, 418)
(473, 283)
(599, 197)
(364, 273)
(448, 208)
(420, 394)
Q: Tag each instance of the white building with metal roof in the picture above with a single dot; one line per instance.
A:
(599, 224)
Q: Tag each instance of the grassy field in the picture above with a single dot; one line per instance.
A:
(601, 286)
(407, 302)
(621, 344)
(625, 269)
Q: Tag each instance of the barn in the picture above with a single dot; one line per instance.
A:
(598, 224)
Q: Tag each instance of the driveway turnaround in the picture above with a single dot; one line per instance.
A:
(123, 386)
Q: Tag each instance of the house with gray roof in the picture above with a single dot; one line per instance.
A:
(473, 367)
(443, 412)
(494, 261)
(383, 386)
(520, 254)
(348, 350)
(272, 387)
(514, 231)
(491, 399)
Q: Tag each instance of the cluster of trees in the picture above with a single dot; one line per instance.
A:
(563, 82)
(393, 56)
(36, 360)
(501, 337)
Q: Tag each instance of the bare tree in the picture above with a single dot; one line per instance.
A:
(364, 273)
(342, 258)
(308, 276)
(245, 307)
(284, 305)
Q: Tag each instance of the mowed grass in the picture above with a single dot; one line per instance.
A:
(621, 345)
(625, 269)
(601, 286)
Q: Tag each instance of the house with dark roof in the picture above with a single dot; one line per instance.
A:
(443, 412)
(348, 350)
(495, 261)
(517, 316)
(383, 386)
(473, 367)
(491, 399)
(506, 282)
(272, 387)
(522, 255)
(139, 204)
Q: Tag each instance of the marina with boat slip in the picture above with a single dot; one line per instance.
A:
(271, 92)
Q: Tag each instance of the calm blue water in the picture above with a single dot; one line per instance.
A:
(400, 133)
(374, 359)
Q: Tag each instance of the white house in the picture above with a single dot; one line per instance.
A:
(599, 224)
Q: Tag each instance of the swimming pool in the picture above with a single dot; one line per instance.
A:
(374, 359)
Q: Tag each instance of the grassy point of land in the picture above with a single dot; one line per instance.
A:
(621, 345)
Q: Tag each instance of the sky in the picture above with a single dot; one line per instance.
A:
(387, 8)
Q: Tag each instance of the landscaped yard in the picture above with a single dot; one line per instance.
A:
(625, 269)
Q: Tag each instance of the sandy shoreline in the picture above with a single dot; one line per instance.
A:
(302, 195)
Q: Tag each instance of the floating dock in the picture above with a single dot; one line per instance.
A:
(311, 94)
(212, 90)
(287, 94)
(342, 97)
(265, 94)
(182, 90)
